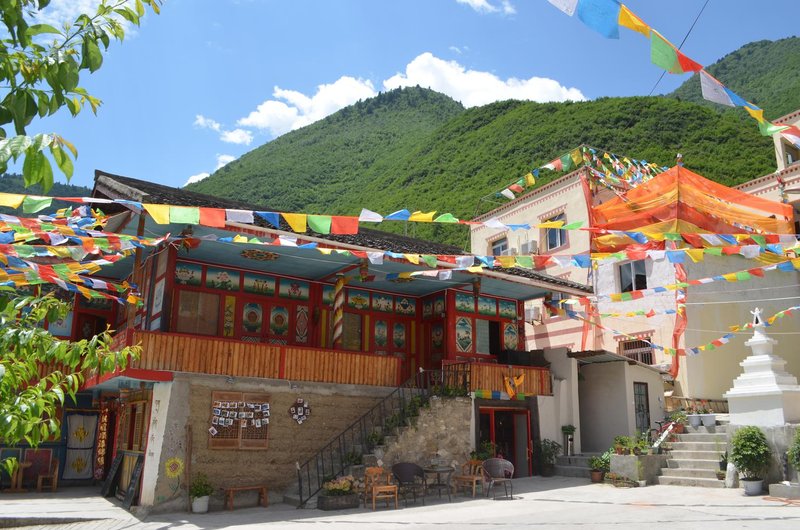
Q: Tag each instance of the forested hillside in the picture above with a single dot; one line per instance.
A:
(11, 183)
(413, 148)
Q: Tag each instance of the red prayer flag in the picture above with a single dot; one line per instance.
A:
(341, 224)
(214, 217)
(540, 262)
(688, 65)
(758, 271)
(516, 188)
(731, 250)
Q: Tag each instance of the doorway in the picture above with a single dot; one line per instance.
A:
(510, 432)
(641, 404)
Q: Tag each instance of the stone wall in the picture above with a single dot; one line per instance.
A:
(334, 408)
(443, 430)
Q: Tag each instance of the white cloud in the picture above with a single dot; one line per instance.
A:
(196, 178)
(484, 6)
(474, 87)
(206, 123)
(237, 136)
(60, 11)
(223, 160)
(297, 110)
(455, 49)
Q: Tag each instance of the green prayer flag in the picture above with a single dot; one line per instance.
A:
(526, 262)
(429, 260)
(24, 251)
(626, 296)
(767, 128)
(572, 226)
(566, 162)
(672, 236)
(33, 205)
(743, 275)
(663, 55)
(184, 215)
(446, 218)
(320, 223)
(714, 251)
(760, 240)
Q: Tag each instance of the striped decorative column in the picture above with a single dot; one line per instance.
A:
(338, 311)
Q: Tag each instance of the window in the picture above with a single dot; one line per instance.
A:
(632, 276)
(792, 154)
(499, 247)
(198, 313)
(239, 420)
(638, 350)
(555, 237)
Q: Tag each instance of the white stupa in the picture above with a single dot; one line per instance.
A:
(765, 394)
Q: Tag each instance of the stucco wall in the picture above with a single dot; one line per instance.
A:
(334, 407)
(604, 405)
(443, 429)
(565, 394)
(655, 393)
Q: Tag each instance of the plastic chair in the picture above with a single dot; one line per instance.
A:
(471, 476)
(410, 478)
(378, 486)
(52, 477)
(499, 471)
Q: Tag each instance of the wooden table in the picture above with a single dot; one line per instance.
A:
(16, 478)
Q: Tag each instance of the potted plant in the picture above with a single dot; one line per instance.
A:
(694, 416)
(199, 490)
(338, 494)
(708, 418)
(678, 417)
(568, 431)
(723, 461)
(549, 450)
(751, 455)
(600, 465)
(793, 454)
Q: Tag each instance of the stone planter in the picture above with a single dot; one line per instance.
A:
(695, 420)
(200, 504)
(752, 487)
(708, 420)
(337, 502)
(635, 468)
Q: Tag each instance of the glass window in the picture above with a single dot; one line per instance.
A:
(499, 247)
(632, 276)
(556, 237)
(198, 313)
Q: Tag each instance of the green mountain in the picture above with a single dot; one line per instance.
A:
(11, 183)
(413, 148)
(766, 73)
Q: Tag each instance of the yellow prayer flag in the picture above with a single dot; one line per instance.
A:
(159, 212)
(695, 254)
(530, 180)
(576, 156)
(405, 275)
(629, 20)
(506, 261)
(413, 258)
(297, 221)
(796, 263)
(11, 200)
(239, 239)
(326, 251)
(731, 277)
(757, 114)
(551, 224)
(422, 217)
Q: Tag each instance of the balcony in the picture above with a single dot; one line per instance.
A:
(477, 376)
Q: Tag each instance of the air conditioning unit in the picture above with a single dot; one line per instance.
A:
(533, 314)
(530, 247)
(509, 252)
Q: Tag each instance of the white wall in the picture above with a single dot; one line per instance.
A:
(565, 393)
(604, 410)
(655, 393)
(548, 428)
(158, 425)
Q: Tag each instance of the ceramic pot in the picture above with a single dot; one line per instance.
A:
(200, 504)
(709, 420)
(695, 420)
(752, 487)
(597, 476)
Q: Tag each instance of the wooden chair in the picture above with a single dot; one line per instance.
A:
(378, 486)
(471, 476)
(52, 477)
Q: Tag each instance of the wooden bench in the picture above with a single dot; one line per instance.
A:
(263, 500)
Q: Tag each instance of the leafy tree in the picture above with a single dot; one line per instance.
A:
(40, 68)
(39, 371)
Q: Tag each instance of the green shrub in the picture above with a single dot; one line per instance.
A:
(200, 486)
(794, 451)
(549, 449)
(750, 452)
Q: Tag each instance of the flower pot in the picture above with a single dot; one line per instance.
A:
(752, 487)
(200, 504)
(695, 420)
(679, 428)
(597, 476)
(337, 502)
(548, 470)
(708, 420)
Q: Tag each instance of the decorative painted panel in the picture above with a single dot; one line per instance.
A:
(279, 321)
(510, 338)
(438, 305)
(405, 306)
(228, 323)
(188, 274)
(382, 302)
(427, 309)
(61, 327)
(158, 296)
(301, 324)
(357, 299)
(294, 289)
(259, 284)
(399, 335)
(222, 279)
(508, 308)
(487, 306)
(328, 292)
(252, 317)
(464, 334)
(381, 333)
(465, 303)
(437, 337)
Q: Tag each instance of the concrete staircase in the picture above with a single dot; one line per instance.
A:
(574, 466)
(694, 458)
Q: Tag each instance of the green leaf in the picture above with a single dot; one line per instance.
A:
(92, 56)
(73, 105)
(139, 8)
(128, 14)
(68, 75)
(37, 170)
(38, 29)
(62, 160)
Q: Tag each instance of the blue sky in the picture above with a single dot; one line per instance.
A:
(209, 80)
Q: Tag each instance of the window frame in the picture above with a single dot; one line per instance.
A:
(561, 234)
(634, 274)
(503, 241)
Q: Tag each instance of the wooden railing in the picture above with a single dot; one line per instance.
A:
(489, 376)
(176, 352)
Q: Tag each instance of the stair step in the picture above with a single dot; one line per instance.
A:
(692, 463)
(685, 481)
(704, 437)
(575, 460)
(715, 447)
(573, 471)
(694, 455)
(687, 472)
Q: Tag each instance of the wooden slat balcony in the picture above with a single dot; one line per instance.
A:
(175, 352)
(489, 376)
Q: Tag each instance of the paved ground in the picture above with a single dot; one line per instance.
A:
(557, 502)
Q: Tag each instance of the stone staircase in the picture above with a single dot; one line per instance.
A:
(694, 458)
(574, 466)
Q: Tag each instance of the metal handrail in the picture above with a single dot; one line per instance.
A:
(333, 458)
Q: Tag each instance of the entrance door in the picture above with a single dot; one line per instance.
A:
(641, 404)
(509, 431)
